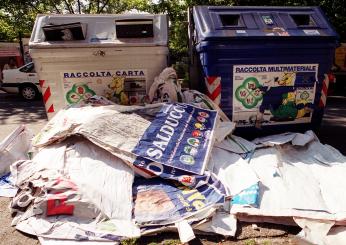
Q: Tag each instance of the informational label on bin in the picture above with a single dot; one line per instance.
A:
(126, 87)
(180, 136)
(273, 94)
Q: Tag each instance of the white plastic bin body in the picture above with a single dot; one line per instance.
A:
(72, 70)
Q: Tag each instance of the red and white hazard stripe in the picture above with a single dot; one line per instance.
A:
(324, 91)
(214, 88)
(47, 96)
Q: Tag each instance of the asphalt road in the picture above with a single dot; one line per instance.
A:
(15, 111)
(333, 128)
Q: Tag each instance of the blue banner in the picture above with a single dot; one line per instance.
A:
(180, 136)
(147, 168)
(159, 202)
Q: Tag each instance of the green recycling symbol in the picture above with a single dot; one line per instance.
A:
(304, 96)
(79, 92)
(248, 93)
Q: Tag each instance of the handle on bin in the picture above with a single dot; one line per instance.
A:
(99, 53)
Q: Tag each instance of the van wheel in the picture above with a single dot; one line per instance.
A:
(28, 92)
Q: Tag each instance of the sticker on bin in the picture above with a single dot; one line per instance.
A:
(125, 87)
(267, 19)
(241, 31)
(312, 32)
(273, 94)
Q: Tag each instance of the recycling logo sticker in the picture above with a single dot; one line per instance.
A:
(304, 96)
(79, 92)
(249, 93)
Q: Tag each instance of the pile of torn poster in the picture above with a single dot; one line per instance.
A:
(100, 172)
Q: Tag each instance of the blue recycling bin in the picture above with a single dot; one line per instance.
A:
(265, 66)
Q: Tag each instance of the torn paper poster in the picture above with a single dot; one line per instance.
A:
(195, 220)
(149, 169)
(65, 194)
(223, 130)
(99, 176)
(335, 236)
(65, 121)
(185, 231)
(49, 241)
(247, 197)
(7, 188)
(71, 228)
(232, 170)
(280, 139)
(313, 231)
(275, 197)
(304, 182)
(176, 135)
(222, 222)
(160, 202)
(180, 136)
(14, 147)
(201, 100)
(237, 145)
(327, 167)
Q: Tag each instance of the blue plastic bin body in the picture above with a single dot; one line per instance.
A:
(269, 63)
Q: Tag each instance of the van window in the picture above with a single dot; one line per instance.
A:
(230, 19)
(28, 68)
(303, 20)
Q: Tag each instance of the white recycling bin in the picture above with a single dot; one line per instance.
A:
(116, 56)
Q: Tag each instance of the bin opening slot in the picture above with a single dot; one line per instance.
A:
(64, 32)
(230, 19)
(134, 28)
(303, 19)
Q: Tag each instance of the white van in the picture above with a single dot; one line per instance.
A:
(23, 80)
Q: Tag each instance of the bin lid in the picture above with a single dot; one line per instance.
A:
(107, 30)
(221, 22)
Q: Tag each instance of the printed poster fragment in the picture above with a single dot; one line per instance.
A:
(125, 87)
(180, 136)
(159, 201)
(150, 169)
(273, 94)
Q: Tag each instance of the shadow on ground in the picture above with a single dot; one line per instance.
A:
(19, 110)
(245, 234)
(333, 128)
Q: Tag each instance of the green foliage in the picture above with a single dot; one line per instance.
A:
(177, 12)
(130, 241)
(19, 15)
(266, 242)
(171, 242)
(14, 18)
(250, 242)
(135, 241)
(6, 30)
